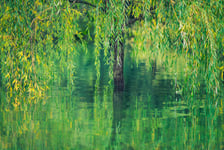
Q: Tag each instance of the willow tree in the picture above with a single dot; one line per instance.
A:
(189, 28)
(36, 35)
(112, 18)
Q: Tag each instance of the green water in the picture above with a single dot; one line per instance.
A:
(147, 114)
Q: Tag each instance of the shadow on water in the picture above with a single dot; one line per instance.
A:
(141, 86)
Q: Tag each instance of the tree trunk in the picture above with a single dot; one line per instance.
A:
(118, 65)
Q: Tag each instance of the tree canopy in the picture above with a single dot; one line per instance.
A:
(41, 35)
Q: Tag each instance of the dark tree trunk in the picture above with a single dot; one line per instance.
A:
(118, 65)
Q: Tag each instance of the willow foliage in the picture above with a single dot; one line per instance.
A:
(193, 29)
(37, 36)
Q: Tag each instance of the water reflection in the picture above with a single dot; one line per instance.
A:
(144, 115)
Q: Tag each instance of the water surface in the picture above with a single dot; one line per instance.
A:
(146, 114)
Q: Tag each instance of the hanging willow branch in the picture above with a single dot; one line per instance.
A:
(86, 3)
(82, 2)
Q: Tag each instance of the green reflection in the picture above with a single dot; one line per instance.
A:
(146, 114)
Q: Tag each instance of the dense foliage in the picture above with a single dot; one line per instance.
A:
(39, 36)
(36, 37)
(192, 29)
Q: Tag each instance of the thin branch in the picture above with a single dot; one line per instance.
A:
(36, 18)
(82, 2)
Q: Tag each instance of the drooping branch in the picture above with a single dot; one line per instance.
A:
(82, 2)
(86, 3)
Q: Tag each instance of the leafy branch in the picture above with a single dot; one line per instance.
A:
(82, 2)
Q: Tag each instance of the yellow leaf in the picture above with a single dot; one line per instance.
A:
(7, 8)
(222, 75)
(16, 87)
(154, 22)
(221, 68)
(6, 76)
(14, 81)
